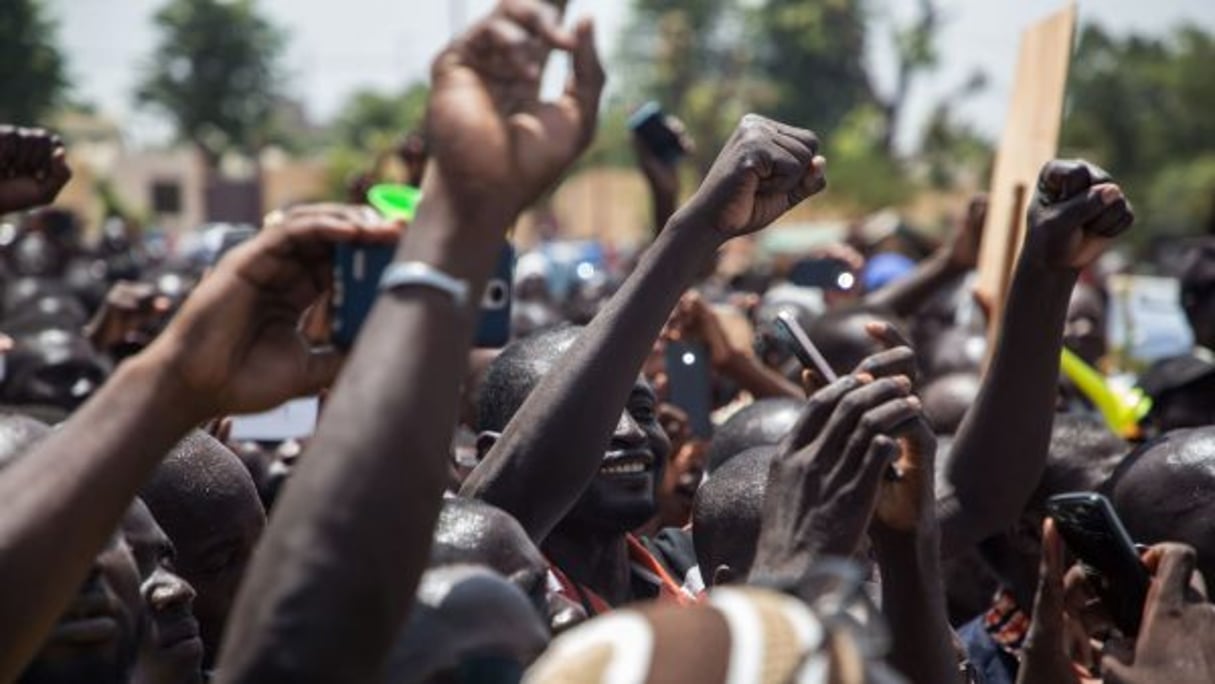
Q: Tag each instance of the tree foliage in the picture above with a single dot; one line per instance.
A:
(1141, 107)
(33, 73)
(216, 74)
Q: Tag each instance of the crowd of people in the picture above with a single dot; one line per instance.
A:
(552, 510)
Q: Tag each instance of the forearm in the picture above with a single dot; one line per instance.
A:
(913, 603)
(665, 201)
(336, 572)
(65, 498)
(1001, 447)
(908, 295)
(761, 381)
(556, 440)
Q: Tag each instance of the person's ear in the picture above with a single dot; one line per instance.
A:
(722, 575)
(486, 440)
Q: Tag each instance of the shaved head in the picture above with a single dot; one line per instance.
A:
(205, 499)
(1165, 491)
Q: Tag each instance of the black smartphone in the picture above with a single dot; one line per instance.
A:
(689, 385)
(357, 269)
(790, 332)
(825, 274)
(649, 122)
(1092, 531)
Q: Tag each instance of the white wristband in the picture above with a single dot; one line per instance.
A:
(420, 274)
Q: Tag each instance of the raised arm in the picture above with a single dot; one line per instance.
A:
(331, 584)
(953, 260)
(555, 441)
(1000, 449)
(233, 348)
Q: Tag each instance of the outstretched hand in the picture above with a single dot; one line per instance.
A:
(1077, 211)
(765, 169)
(237, 346)
(494, 142)
(824, 482)
(33, 168)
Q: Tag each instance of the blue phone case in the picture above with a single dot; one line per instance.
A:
(356, 280)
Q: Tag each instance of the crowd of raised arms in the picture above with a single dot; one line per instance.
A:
(892, 516)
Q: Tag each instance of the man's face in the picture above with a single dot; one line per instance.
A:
(215, 538)
(622, 495)
(172, 650)
(98, 636)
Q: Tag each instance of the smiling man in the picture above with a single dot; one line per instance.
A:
(594, 558)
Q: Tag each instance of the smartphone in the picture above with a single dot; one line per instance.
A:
(689, 385)
(789, 331)
(356, 282)
(493, 328)
(649, 122)
(825, 274)
(357, 269)
(1092, 531)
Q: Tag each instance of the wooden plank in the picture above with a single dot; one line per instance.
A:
(1030, 139)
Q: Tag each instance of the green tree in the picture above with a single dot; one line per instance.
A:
(33, 78)
(216, 74)
(1141, 107)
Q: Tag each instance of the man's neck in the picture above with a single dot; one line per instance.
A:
(595, 560)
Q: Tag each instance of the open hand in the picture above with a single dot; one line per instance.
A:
(494, 142)
(765, 169)
(1076, 212)
(907, 500)
(236, 345)
(33, 168)
(823, 484)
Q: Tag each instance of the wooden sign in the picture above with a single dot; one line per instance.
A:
(1030, 139)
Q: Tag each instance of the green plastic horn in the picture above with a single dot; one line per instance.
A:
(395, 201)
(1121, 413)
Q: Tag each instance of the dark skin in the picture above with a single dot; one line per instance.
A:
(172, 650)
(33, 168)
(325, 596)
(662, 176)
(1173, 645)
(1005, 436)
(97, 638)
(589, 543)
(233, 348)
(955, 257)
(555, 442)
(215, 529)
(695, 318)
(1084, 333)
(1176, 642)
(830, 485)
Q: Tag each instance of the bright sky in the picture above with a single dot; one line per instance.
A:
(338, 47)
